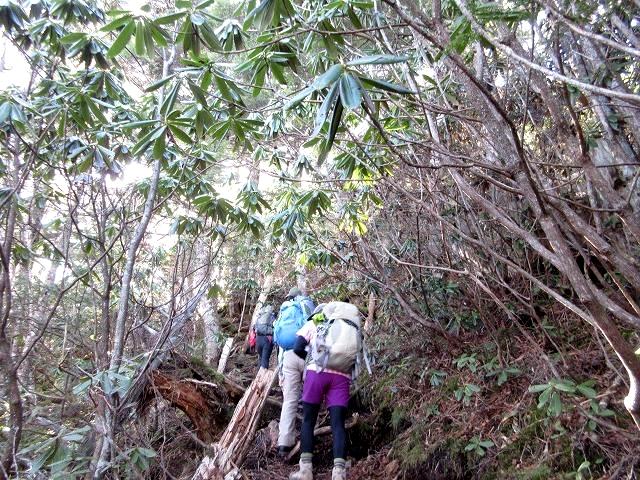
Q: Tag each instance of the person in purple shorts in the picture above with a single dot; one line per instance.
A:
(334, 327)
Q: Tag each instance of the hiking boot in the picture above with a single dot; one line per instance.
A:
(339, 473)
(305, 472)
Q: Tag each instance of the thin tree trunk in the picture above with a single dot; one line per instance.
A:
(371, 312)
(265, 289)
(121, 319)
(102, 464)
(209, 306)
(226, 352)
(7, 364)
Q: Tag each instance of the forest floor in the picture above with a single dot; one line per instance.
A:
(462, 412)
(262, 462)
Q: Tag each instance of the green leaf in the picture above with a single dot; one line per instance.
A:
(555, 405)
(160, 145)
(170, 18)
(354, 18)
(324, 80)
(223, 88)
(148, 39)
(122, 40)
(143, 144)
(258, 80)
(587, 391)
(544, 397)
(147, 452)
(299, 97)
(384, 85)
(462, 34)
(95, 110)
(214, 291)
(471, 388)
(199, 94)
(564, 386)
(82, 387)
(377, 60)
(180, 135)
(170, 99)
(139, 124)
(5, 111)
(328, 77)
(73, 38)
(209, 36)
(158, 34)
(205, 4)
(350, 91)
(325, 108)
(159, 83)
(207, 78)
(538, 388)
(333, 129)
(140, 45)
(278, 72)
(117, 23)
(491, 11)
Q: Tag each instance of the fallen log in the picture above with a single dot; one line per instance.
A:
(235, 389)
(167, 339)
(229, 452)
(204, 403)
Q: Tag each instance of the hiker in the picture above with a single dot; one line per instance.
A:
(334, 340)
(292, 316)
(264, 334)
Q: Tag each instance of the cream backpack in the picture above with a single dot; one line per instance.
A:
(338, 343)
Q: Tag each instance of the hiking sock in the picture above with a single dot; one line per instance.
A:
(306, 457)
(339, 462)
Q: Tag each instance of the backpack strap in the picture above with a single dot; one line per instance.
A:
(323, 359)
(349, 322)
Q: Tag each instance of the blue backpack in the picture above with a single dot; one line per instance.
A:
(291, 318)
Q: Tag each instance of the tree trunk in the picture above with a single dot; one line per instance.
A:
(7, 363)
(208, 308)
(121, 318)
(226, 352)
(265, 289)
(371, 312)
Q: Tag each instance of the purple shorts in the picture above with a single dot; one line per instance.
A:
(332, 386)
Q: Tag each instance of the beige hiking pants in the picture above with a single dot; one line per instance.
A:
(292, 369)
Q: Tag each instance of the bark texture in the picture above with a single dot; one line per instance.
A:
(229, 452)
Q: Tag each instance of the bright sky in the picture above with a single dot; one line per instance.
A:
(132, 172)
(14, 69)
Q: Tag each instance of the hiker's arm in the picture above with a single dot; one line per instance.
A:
(299, 347)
